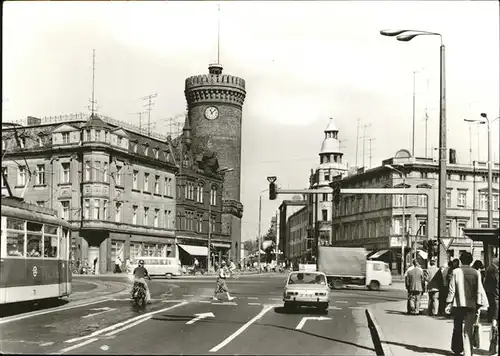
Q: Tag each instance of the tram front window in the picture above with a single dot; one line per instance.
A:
(15, 244)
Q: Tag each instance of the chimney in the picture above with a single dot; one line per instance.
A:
(33, 121)
(453, 156)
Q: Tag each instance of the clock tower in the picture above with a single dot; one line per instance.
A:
(215, 103)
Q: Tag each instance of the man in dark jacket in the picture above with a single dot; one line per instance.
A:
(434, 281)
(491, 281)
(415, 285)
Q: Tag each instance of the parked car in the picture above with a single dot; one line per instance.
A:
(307, 289)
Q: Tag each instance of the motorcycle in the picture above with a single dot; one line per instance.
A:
(139, 294)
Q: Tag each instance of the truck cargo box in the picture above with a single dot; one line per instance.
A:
(342, 261)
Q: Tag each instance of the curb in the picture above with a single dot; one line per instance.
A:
(386, 349)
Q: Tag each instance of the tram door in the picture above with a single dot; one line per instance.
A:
(64, 285)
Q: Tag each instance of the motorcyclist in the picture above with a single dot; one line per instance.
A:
(140, 273)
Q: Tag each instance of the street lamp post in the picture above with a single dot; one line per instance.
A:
(488, 123)
(405, 36)
(260, 223)
(403, 218)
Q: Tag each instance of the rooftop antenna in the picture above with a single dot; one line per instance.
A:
(149, 106)
(93, 83)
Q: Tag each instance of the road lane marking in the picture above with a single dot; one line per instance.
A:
(224, 303)
(252, 297)
(200, 316)
(363, 303)
(204, 301)
(275, 298)
(99, 311)
(47, 343)
(242, 329)
(341, 301)
(334, 308)
(29, 315)
(71, 348)
(355, 307)
(301, 324)
(254, 303)
(188, 295)
(120, 324)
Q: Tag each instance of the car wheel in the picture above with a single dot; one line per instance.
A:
(289, 306)
(374, 285)
(323, 308)
(168, 275)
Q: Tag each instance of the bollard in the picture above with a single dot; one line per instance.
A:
(377, 344)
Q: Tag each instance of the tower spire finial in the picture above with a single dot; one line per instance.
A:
(218, 33)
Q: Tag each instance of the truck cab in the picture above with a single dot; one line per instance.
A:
(377, 274)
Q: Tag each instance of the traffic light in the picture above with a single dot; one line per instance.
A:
(272, 188)
(212, 249)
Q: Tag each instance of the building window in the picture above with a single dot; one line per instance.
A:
(4, 175)
(135, 174)
(155, 152)
(324, 215)
(422, 228)
(398, 200)
(21, 177)
(105, 210)
(462, 177)
(4, 144)
(87, 170)
(96, 209)
(448, 199)
(325, 197)
(495, 201)
(22, 142)
(135, 147)
(98, 135)
(483, 201)
(87, 135)
(461, 226)
(168, 187)
(199, 197)
(40, 174)
(146, 182)
(134, 214)
(462, 198)
(423, 175)
(146, 150)
(65, 138)
(118, 212)
(119, 141)
(146, 213)
(86, 209)
(157, 184)
(156, 218)
(213, 224)
(448, 176)
(97, 171)
(40, 141)
(213, 196)
(448, 228)
(168, 216)
(199, 226)
(327, 177)
(106, 171)
(65, 209)
(118, 178)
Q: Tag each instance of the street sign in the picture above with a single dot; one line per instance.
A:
(99, 311)
(303, 321)
(201, 316)
(446, 242)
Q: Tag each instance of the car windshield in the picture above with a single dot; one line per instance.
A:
(306, 278)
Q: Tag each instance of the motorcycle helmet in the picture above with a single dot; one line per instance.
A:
(141, 263)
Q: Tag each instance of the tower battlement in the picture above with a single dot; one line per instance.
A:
(215, 86)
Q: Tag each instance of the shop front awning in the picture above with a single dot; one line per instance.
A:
(378, 254)
(195, 250)
(222, 244)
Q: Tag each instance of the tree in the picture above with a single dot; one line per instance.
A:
(251, 245)
(271, 245)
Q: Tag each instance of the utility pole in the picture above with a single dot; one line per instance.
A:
(357, 142)
(149, 105)
(426, 118)
(364, 141)
(413, 131)
(370, 150)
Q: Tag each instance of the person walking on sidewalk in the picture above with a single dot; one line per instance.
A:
(466, 297)
(415, 285)
(433, 283)
(491, 283)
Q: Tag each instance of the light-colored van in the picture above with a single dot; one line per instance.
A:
(378, 274)
(160, 266)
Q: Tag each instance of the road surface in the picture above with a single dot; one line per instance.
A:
(183, 319)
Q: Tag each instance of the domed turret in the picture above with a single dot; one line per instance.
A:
(330, 155)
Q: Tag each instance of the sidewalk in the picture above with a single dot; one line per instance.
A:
(405, 335)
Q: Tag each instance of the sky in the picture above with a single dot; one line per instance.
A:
(303, 62)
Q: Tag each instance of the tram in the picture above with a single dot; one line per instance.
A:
(34, 254)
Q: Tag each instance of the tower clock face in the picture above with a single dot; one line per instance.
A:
(211, 113)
